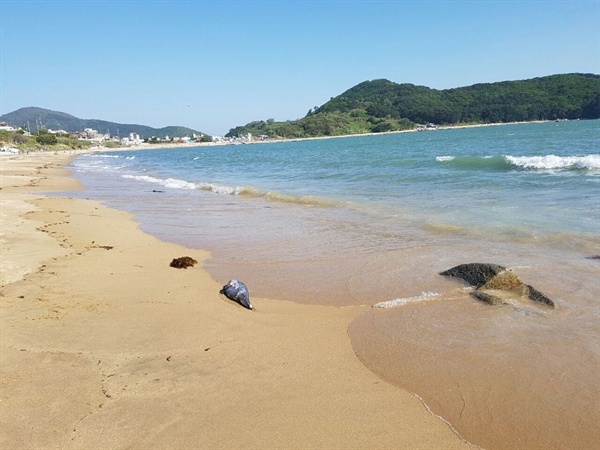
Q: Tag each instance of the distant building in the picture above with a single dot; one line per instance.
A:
(133, 139)
(6, 127)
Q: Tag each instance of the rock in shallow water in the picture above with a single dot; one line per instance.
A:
(476, 274)
(496, 284)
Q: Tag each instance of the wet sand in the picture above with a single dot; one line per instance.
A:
(517, 376)
(541, 395)
(103, 345)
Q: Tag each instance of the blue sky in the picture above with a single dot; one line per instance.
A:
(213, 65)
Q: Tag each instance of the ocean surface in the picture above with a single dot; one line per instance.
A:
(372, 220)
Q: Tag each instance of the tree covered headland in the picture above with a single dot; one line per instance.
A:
(35, 119)
(382, 105)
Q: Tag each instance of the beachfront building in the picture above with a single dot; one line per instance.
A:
(133, 139)
(90, 135)
(6, 127)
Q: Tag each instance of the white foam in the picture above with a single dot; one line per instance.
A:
(173, 183)
(444, 158)
(403, 301)
(178, 184)
(221, 189)
(552, 162)
(96, 155)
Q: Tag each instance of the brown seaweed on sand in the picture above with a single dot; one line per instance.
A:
(183, 263)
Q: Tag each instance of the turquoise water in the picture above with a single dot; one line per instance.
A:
(526, 181)
(362, 220)
(351, 202)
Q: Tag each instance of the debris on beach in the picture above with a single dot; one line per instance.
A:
(496, 285)
(105, 247)
(238, 292)
(183, 263)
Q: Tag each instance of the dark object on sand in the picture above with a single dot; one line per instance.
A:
(238, 292)
(183, 263)
(495, 284)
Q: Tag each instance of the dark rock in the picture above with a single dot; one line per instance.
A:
(476, 274)
(183, 263)
(496, 285)
(537, 296)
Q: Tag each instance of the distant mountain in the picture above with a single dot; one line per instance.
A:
(382, 105)
(34, 119)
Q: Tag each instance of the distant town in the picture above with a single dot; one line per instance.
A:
(90, 137)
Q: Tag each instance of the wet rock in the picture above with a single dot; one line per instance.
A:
(476, 274)
(496, 285)
(487, 297)
(505, 280)
(537, 296)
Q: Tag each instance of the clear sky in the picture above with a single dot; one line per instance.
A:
(213, 65)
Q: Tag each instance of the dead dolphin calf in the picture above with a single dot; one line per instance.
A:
(238, 292)
(492, 282)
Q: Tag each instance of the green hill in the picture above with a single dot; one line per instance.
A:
(382, 105)
(35, 119)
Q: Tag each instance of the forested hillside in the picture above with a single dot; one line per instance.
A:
(35, 119)
(382, 105)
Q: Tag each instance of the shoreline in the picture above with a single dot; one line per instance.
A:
(153, 356)
(174, 146)
(414, 130)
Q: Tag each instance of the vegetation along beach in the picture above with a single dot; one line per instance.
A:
(300, 225)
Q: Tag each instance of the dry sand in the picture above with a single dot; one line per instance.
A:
(103, 345)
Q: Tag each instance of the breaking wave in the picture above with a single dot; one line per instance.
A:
(172, 183)
(547, 163)
(221, 189)
(552, 162)
(99, 155)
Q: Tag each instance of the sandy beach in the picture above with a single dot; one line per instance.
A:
(103, 345)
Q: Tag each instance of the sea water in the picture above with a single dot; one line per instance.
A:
(372, 220)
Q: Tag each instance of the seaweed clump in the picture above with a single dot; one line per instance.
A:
(183, 263)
